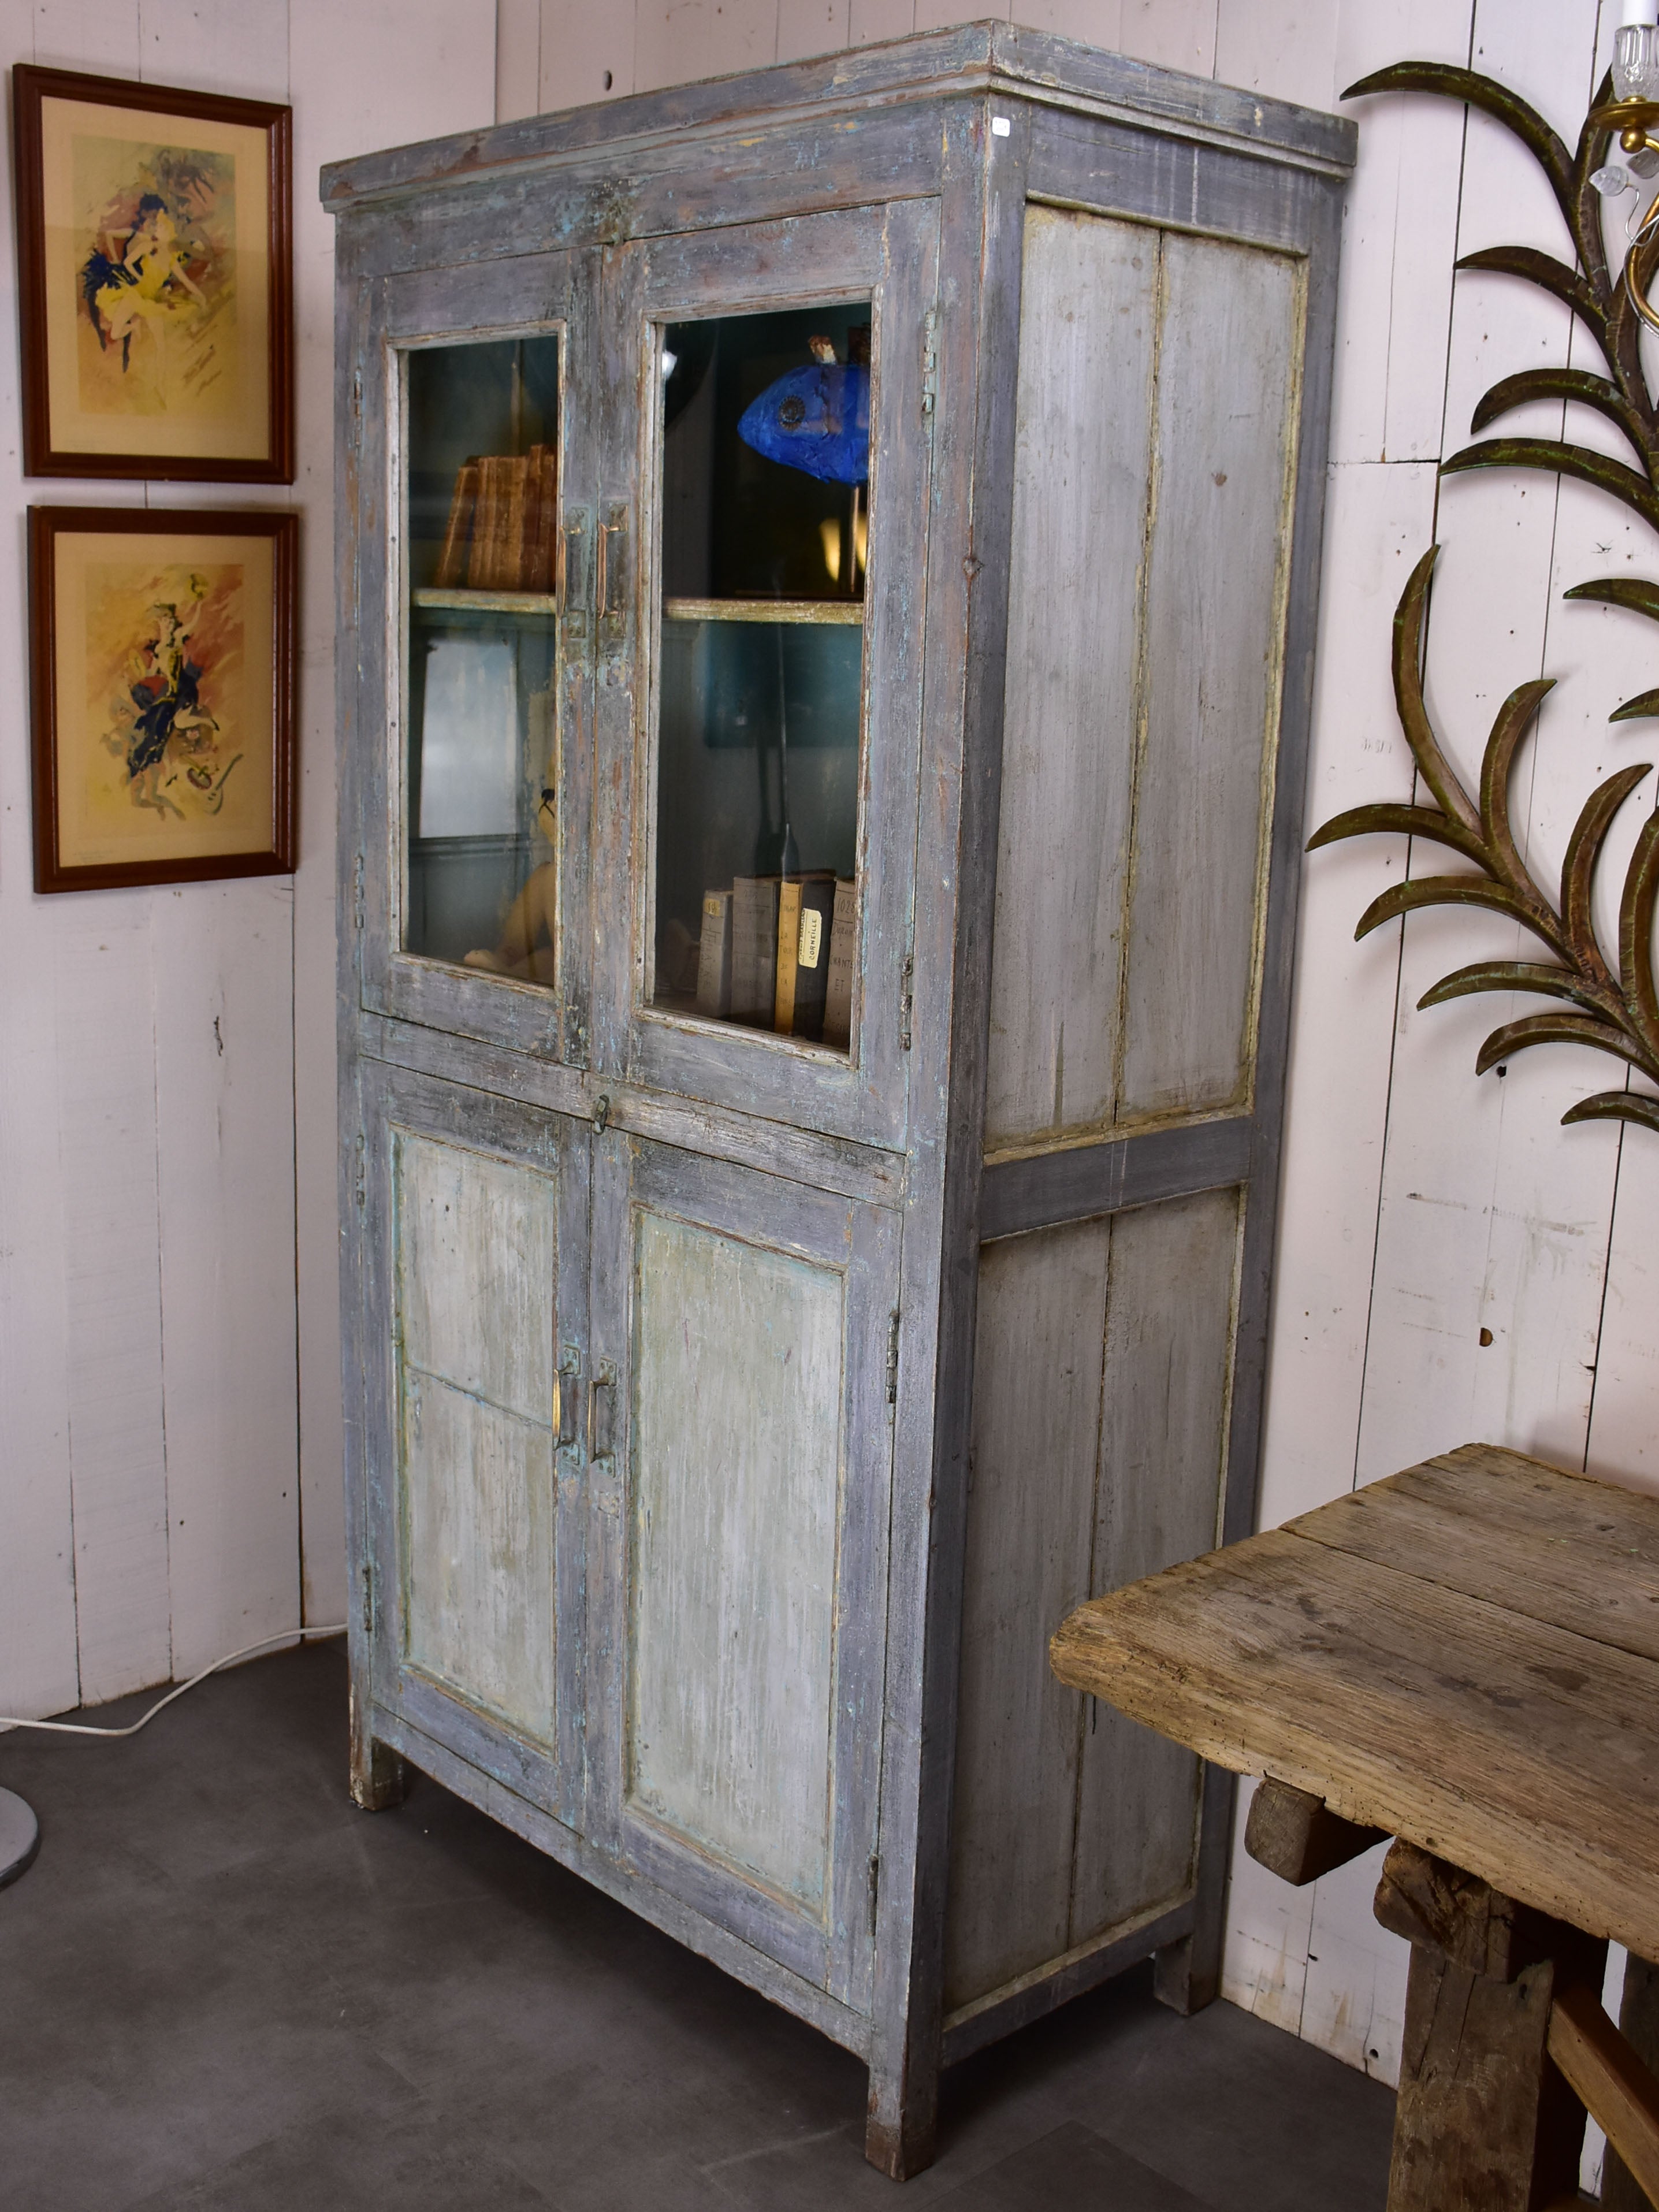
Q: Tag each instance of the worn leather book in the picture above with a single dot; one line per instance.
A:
(755, 949)
(805, 906)
(843, 953)
(715, 956)
(541, 520)
(453, 559)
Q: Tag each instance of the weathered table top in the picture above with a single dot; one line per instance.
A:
(1466, 1655)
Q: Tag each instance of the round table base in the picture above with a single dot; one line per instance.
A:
(19, 1837)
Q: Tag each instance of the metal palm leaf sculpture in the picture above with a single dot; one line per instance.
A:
(1615, 1009)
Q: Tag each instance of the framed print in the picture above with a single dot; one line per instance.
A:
(163, 651)
(156, 263)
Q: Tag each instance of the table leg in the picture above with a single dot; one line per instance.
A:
(1638, 2022)
(1484, 2122)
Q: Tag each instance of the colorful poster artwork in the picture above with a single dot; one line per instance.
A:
(165, 678)
(155, 271)
(166, 743)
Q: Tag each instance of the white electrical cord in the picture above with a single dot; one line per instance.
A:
(76, 1728)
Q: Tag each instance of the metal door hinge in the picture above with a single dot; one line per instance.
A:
(368, 1601)
(601, 1115)
(875, 1890)
(357, 894)
(892, 1358)
(361, 1193)
(929, 361)
(906, 998)
(357, 397)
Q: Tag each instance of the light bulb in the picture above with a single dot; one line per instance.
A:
(1636, 52)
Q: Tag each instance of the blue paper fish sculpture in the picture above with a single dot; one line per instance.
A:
(816, 419)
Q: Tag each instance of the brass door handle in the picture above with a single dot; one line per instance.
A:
(567, 1384)
(613, 574)
(576, 579)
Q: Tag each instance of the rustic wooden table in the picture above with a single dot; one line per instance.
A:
(1465, 1657)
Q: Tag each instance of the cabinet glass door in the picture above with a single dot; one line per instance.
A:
(475, 893)
(765, 506)
(776, 427)
(482, 773)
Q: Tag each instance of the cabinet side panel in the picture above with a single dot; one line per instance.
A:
(1079, 514)
(1162, 1442)
(1030, 1510)
(1228, 381)
(736, 1449)
(474, 1289)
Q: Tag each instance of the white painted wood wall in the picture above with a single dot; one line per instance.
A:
(169, 1438)
(170, 1312)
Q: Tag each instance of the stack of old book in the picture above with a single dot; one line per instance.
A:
(502, 523)
(778, 951)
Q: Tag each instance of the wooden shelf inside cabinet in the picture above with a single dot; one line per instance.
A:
(485, 603)
(848, 613)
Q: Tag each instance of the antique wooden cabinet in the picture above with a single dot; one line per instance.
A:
(855, 521)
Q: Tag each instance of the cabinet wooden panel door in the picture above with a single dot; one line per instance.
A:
(740, 1447)
(476, 1299)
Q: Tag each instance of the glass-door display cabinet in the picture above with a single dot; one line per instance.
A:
(828, 565)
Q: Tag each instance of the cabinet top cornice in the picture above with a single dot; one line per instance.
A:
(984, 58)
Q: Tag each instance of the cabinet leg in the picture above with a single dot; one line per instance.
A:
(900, 2133)
(1638, 2022)
(379, 1779)
(1187, 1975)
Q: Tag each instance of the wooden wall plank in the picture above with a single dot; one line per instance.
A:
(239, 50)
(1624, 1435)
(1399, 238)
(517, 58)
(1175, 33)
(678, 41)
(1281, 47)
(1095, 22)
(582, 42)
(223, 957)
(1264, 1965)
(105, 1083)
(1031, 1509)
(38, 1662)
(1378, 521)
(102, 36)
(870, 20)
(813, 26)
(1082, 459)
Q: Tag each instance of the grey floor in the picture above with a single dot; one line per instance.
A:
(221, 1986)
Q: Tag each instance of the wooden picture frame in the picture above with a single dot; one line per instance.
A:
(163, 650)
(156, 267)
